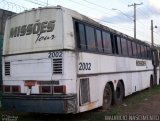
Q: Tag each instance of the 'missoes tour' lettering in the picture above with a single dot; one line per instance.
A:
(47, 26)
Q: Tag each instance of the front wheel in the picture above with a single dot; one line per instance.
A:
(107, 97)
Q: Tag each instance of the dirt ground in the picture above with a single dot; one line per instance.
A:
(149, 106)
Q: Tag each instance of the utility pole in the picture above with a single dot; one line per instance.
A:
(152, 33)
(47, 2)
(154, 58)
(152, 30)
(135, 17)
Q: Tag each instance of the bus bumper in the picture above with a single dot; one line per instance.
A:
(58, 104)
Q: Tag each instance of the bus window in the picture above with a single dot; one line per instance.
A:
(91, 43)
(134, 47)
(107, 42)
(139, 50)
(81, 36)
(119, 45)
(129, 43)
(142, 51)
(145, 52)
(124, 47)
(148, 52)
(99, 40)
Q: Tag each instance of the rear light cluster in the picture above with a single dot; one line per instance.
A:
(11, 89)
(52, 89)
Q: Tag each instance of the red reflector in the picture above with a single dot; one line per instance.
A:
(59, 89)
(30, 83)
(45, 89)
(6, 88)
(15, 89)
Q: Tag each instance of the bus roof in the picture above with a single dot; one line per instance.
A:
(85, 19)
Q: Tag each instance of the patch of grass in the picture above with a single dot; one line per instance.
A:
(134, 99)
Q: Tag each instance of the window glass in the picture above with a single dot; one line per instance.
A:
(81, 36)
(145, 52)
(142, 51)
(148, 52)
(91, 43)
(119, 45)
(134, 47)
(139, 50)
(124, 47)
(99, 40)
(107, 42)
(129, 43)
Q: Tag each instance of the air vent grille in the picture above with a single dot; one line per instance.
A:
(57, 66)
(7, 68)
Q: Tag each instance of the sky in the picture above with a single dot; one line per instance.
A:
(113, 13)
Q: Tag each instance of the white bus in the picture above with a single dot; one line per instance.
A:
(56, 60)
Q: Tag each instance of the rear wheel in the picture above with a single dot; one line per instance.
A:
(107, 97)
(119, 93)
(151, 82)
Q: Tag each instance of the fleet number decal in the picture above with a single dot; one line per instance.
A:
(84, 66)
(57, 54)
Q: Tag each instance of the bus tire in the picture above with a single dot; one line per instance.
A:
(119, 93)
(151, 81)
(107, 97)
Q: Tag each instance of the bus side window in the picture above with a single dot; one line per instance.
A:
(115, 44)
(149, 56)
(119, 48)
(139, 50)
(134, 47)
(142, 51)
(91, 42)
(129, 43)
(80, 32)
(107, 42)
(124, 47)
(145, 51)
(99, 40)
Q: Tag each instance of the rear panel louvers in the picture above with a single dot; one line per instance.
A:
(7, 68)
(57, 66)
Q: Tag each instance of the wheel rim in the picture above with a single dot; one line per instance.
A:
(107, 97)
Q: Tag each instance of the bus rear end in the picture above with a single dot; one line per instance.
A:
(34, 76)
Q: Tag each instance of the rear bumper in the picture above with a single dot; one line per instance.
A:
(58, 104)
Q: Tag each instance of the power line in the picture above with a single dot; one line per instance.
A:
(35, 2)
(12, 6)
(100, 6)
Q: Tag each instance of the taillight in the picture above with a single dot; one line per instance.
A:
(59, 89)
(45, 89)
(15, 89)
(52, 89)
(6, 89)
(11, 89)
